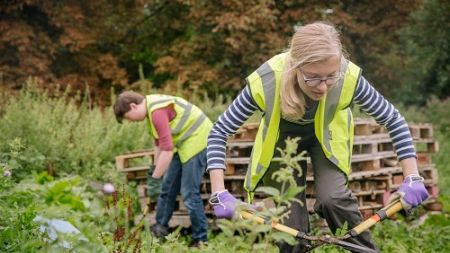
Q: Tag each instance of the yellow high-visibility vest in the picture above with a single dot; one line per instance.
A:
(189, 128)
(333, 121)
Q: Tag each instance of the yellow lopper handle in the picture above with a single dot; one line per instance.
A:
(382, 214)
(280, 227)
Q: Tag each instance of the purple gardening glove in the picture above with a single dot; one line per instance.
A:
(223, 204)
(411, 193)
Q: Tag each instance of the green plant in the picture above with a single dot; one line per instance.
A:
(402, 237)
(285, 176)
(56, 151)
(256, 237)
(65, 135)
(18, 232)
(424, 71)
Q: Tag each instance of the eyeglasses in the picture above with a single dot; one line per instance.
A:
(313, 82)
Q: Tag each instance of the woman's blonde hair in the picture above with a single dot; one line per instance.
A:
(311, 43)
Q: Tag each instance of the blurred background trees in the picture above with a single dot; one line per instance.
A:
(211, 46)
(425, 47)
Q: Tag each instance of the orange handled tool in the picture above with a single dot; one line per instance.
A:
(382, 214)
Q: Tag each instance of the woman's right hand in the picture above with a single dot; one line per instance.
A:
(223, 204)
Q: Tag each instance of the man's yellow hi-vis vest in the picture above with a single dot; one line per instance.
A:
(333, 121)
(189, 128)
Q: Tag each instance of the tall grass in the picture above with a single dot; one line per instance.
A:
(64, 134)
(67, 135)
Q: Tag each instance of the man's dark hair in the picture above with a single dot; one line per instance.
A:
(123, 102)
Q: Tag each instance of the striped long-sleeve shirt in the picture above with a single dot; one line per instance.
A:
(366, 97)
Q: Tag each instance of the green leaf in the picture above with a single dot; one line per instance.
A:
(292, 192)
(43, 178)
(284, 237)
(271, 191)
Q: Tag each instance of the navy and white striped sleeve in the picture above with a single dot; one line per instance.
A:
(385, 114)
(228, 123)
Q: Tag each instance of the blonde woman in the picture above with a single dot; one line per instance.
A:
(307, 92)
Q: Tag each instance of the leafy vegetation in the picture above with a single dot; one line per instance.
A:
(63, 135)
(424, 44)
(212, 45)
(78, 149)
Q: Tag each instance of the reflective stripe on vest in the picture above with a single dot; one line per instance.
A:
(333, 121)
(189, 121)
(265, 79)
(191, 130)
(267, 75)
(184, 117)
(332, 115)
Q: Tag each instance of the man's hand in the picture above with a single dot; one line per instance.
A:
(153, 185)
(223, 204)
(411, 193)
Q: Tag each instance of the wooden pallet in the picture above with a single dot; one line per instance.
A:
(421, 130)
(376, 172)
(246, 132)
(369, 153)
(367, 127)
(124, 162)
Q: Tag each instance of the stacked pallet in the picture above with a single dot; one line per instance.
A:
(376, 173)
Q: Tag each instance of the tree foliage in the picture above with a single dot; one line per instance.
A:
(426, 49)
(187, 45)
(65, 42)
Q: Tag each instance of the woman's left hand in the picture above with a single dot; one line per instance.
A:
(411, 193)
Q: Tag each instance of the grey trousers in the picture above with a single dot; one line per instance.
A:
(334, 201)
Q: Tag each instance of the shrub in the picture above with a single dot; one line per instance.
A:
(65, 135)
